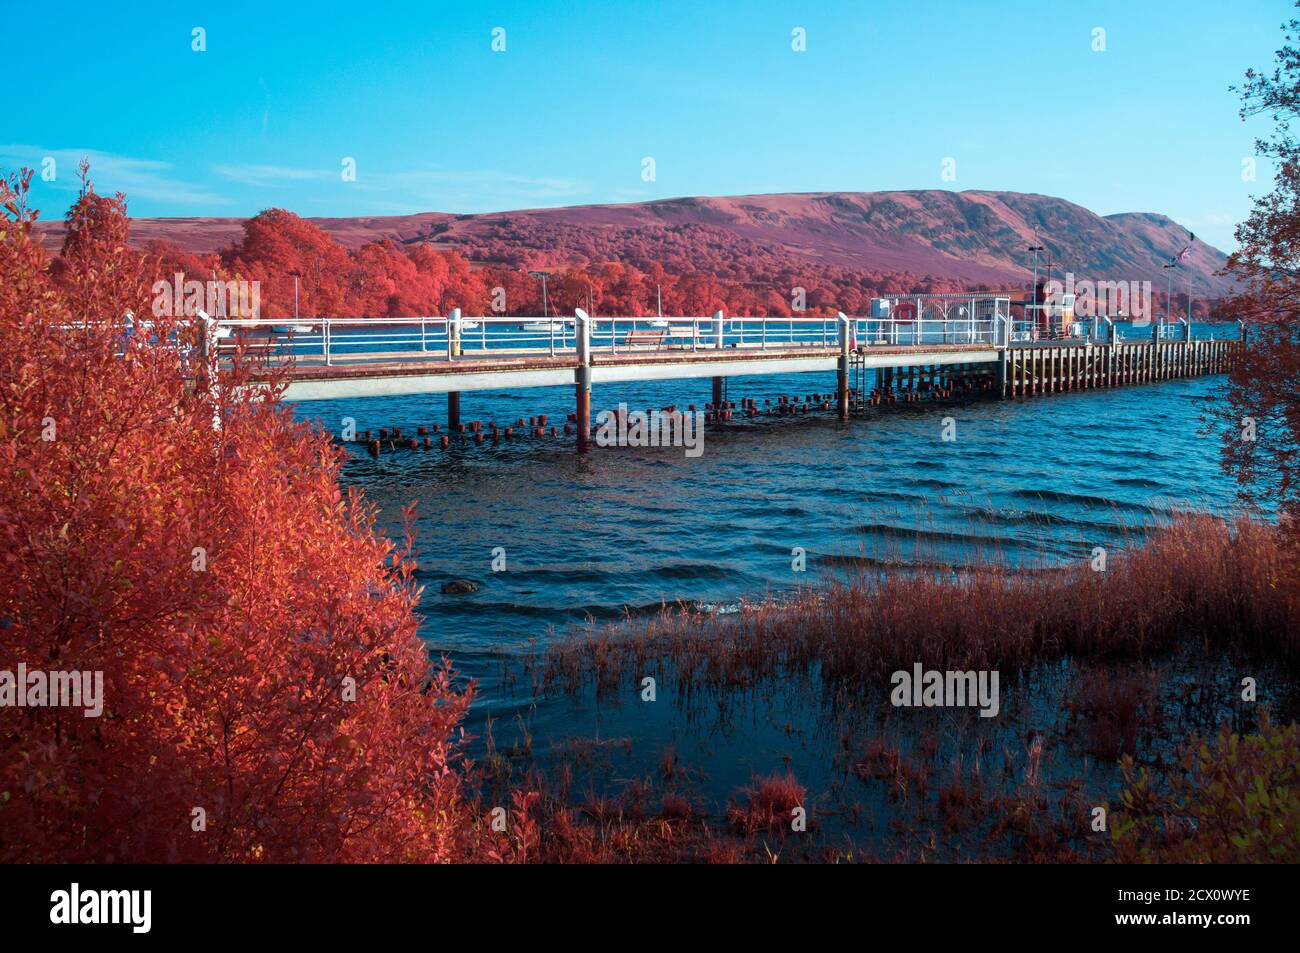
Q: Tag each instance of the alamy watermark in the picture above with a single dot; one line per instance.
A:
(921, 688)
(1113, 299)
(34, 688)
(621, 428)
(129, 907)
(221, 299)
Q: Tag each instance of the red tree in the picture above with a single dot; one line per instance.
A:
(265, 696)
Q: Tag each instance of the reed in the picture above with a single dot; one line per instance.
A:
(1227, 583)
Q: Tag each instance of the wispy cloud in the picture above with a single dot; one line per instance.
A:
(415, 190)
(270, 176)
(402, 191)
(148, 179)
(471, 191)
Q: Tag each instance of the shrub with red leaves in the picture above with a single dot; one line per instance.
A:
(265, 696)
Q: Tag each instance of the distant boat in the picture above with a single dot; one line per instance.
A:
(555, 325)
(293, 328)
(659, 323)
(468, 325)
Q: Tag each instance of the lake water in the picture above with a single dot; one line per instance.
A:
(624, 530)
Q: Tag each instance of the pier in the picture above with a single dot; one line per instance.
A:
(933, 346)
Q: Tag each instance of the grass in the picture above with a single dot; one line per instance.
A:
(769, 804)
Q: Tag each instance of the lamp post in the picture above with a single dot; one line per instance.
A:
(542, 275)
(1033, 291)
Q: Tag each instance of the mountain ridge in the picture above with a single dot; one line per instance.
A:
(977, 237)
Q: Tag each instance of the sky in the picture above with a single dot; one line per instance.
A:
(943, 94)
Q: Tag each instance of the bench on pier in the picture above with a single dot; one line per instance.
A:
(645, 337)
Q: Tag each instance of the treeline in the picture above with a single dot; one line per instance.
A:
(674, 270)
(387, 279)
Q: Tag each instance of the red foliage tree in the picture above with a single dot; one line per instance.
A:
(1261, 419)
(265, 696)
(279, 246)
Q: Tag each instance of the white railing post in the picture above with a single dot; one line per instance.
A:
(209, 363)
(582, 377)
(453, 334)
(325, 340)
(208, 345)
(718, 321)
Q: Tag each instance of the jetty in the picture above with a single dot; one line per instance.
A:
(913, 348)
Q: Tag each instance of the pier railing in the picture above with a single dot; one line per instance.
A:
(455, 337)
(452, 337)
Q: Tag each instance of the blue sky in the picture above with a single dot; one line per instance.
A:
(438, 121)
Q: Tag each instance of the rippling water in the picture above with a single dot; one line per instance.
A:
(624, 530)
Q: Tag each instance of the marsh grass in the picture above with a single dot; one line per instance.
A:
(1098, 666)
(1200, 579)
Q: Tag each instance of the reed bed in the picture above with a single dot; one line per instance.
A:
(1198, 589)
(1229, 584)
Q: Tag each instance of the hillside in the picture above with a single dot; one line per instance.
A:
(953, 238)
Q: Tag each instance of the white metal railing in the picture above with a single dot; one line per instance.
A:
(902, 332)
(452, 337)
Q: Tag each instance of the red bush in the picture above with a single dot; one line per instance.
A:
(263, 681)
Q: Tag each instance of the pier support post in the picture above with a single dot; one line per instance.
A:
(582, 380)
(453, 351)
(842, 372)
(717, 393)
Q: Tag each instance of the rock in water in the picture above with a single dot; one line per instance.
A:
(458, 586)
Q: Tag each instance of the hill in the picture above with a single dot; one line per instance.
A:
(925, 238)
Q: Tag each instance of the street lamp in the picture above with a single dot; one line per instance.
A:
(1033, 291)
(543, 275)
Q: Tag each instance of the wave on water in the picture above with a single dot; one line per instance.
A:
(619, 534)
